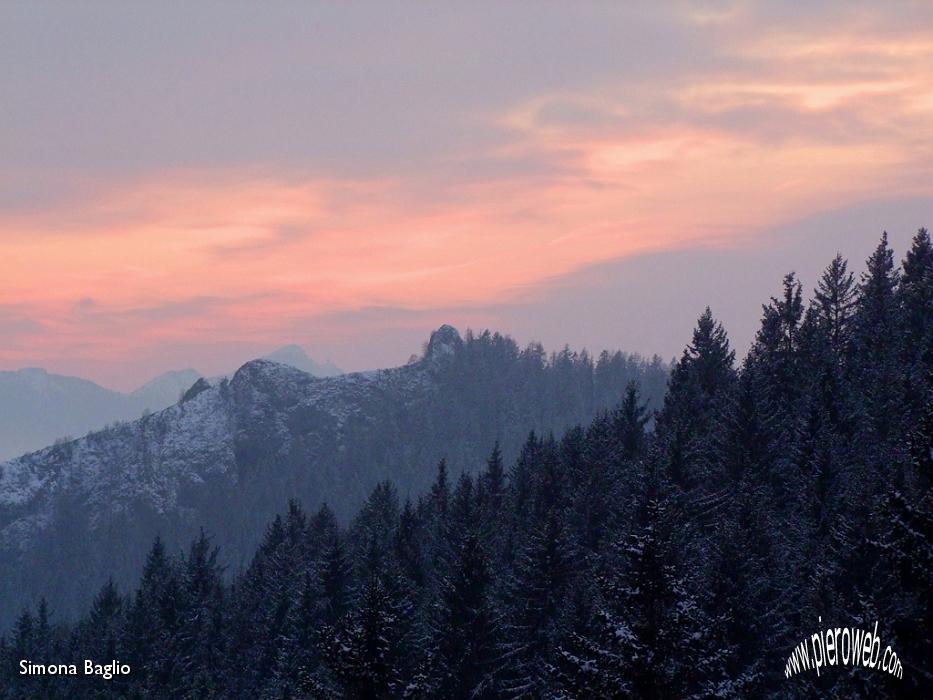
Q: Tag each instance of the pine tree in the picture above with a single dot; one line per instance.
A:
(492, 490)
(24, 642)
(534, 602)
(360, 654)
(409, 546)
(699, 383)
(153, 620)
(630, 420)
(298, 656)
(905, 547)
(649, 638)
(33, 641)
(202, 634)
(320, 529)
(440, 491)
(775, 352)
(915, 306)
(743, 592)
(100, 636)
(522, 478)
(877, 349)
(463, 661)
(834, 299)
(775, 367)
(335, 582)
(591, 462)
(373, 530)
(494, 482)
(709, 357)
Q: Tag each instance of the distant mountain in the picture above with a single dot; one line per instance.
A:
(37, 408)
(229, 455)
(165, 389)
(295, 356)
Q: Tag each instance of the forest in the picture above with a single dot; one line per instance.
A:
(676, 553)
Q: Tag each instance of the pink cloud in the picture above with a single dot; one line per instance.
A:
(184, 257)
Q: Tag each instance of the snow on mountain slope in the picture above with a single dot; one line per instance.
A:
(151, 457)
(238, 448)
(109, 471)
(231, 454)
(37, 408)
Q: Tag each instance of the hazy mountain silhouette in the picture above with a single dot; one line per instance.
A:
(295, 356)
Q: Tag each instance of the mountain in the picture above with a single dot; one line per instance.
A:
(165, 389)
(38, 408)
(295, 356)
(230, 454)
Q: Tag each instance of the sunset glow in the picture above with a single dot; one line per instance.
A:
(774, 124)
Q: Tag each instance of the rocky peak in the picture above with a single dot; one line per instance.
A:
(444, 342)
(200, 385)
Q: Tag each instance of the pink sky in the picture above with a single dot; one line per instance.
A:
(120, 263)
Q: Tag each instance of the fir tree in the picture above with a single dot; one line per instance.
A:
(440, 491)
(877, 350)
(835, 298)
(699, 383)
(202, 635)
(360, 654)
(534, 607)
(630, 420)
(494, 482)
(463, 661)
(335, 582)
(915, 306)
(650, 638)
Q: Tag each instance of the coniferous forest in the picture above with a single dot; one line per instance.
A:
(679, 554)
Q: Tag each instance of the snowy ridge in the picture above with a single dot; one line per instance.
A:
(223, 458)
(111, 469)
(233, 451)
(150, 458)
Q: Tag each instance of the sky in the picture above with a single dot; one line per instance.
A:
(195, 184)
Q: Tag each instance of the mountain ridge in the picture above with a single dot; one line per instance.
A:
(38, 407)
(89, 509)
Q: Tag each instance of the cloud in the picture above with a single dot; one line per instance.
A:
(16, 324)
(253, 184)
